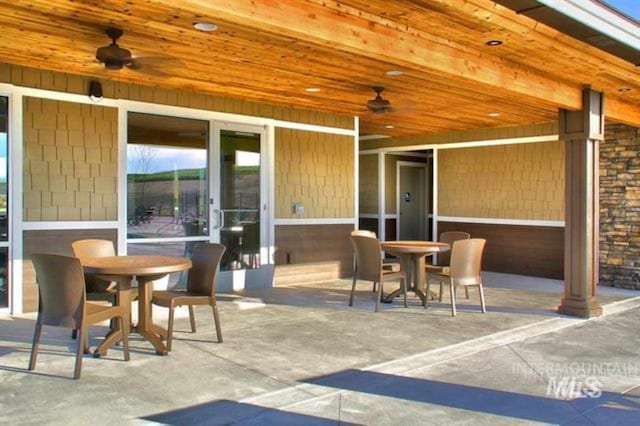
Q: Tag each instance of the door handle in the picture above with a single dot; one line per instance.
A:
(220, 221)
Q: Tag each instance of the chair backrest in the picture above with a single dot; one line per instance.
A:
(205, 261)
(83, 249)
(466, 261)
(450, 237)
(368, 257)
(93, 248)
(61, 290)
(364, 232)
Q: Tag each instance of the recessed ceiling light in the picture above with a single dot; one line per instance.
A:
(394, 73)
(494, 43)
(624, 89)
(389, 126)
(205, 26)
(312, 89)
(494, 114)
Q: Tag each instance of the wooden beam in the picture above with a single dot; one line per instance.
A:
(385, 41)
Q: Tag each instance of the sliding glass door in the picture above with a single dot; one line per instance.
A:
(192, 180)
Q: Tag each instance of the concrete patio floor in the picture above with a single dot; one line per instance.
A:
(300, 355)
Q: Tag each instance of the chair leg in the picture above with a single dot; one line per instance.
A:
(373, 289)
(403, 282)
(426, 295)
(74, 334)
(34, 347)
(170, 327)
(216, 320)
(379, 296)
(440, 294)
(482, 305)
(353, 289)
(192, 319)
(80, 352)
(466, 291)
(453, 299)
(124, 327)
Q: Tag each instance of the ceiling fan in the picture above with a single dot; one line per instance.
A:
(378, 105)
(113, 56)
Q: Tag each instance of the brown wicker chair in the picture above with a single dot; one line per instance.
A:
(393, 266)
(62, 303)
(98, 288)
(201, 288)
(466, 261)
(444, 257)
(370, 267)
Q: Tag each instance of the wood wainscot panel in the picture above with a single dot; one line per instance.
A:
(536, 251)
(321, 252)
(54, 242)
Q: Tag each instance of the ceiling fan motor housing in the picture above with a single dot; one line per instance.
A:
(113, 56)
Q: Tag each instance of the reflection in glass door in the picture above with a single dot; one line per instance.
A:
(4, 211)
(239, 209)
(167, 184)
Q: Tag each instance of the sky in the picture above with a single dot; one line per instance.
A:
(628, 7)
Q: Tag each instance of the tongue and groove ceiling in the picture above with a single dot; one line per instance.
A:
(271, 51)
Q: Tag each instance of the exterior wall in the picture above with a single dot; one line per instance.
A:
(521, 181)
(314, 169)
(70, 161)
(58, 132)
(620, 207)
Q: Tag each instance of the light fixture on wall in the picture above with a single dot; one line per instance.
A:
(95, 91)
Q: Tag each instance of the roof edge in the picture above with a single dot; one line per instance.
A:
(590, 21)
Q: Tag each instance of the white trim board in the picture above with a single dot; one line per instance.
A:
(376, 216)
(45, 226)
(317, 221)
(498, 221)
(469, 144)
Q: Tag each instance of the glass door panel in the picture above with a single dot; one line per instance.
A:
(167, 184)
(239, 211)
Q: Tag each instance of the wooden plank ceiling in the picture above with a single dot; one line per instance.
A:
(270, 51)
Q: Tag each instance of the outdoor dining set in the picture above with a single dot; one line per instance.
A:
(65, 283)
(96, 273)
(458, 265)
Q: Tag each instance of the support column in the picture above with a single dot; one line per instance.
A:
(582, 132)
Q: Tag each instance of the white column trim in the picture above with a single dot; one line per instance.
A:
(382, 206)
(356, 171)
(15, 199)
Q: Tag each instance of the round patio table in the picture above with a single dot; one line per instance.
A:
(145, 269)
(412, 254)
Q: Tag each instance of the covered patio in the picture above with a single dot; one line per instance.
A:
(276, 129)
(300, 355)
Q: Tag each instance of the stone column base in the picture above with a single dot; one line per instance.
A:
(580, 308)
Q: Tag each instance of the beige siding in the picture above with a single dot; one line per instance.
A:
(70, 161)
(523, 181)
(315, 169)
(368, 184)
